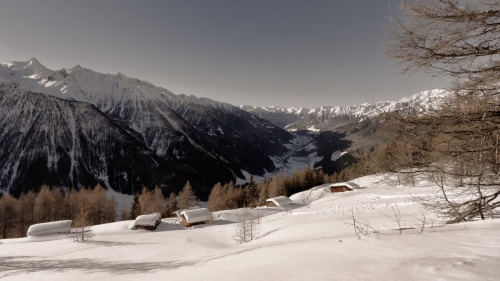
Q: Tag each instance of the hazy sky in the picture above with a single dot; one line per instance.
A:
(303, 53)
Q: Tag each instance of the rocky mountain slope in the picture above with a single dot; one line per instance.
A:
(205, 140)
(46, 140)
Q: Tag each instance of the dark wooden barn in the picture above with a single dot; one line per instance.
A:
(343, 187)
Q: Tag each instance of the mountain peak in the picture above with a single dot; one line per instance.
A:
(121, 75)
(34, 60)
(34, 64)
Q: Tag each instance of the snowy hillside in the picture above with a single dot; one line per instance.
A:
(308, 241)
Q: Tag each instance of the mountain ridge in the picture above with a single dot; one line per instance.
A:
(185, 130)
(199, 139)
(427, 99)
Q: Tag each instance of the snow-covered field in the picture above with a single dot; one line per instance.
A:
(308, 241)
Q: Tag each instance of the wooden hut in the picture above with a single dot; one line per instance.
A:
(343, 187)
(278, 201)
(149, 222)
(49, 228)
(196, 216)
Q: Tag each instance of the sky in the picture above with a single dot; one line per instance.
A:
(292, 53)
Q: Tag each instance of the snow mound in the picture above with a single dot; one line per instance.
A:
(49, 228)
(308, 196)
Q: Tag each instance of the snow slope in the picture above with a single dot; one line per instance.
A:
(307, 241)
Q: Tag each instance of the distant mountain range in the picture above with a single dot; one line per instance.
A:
(329, 117)
(76, 127)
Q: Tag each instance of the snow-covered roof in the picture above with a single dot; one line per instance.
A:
(280, 201)
(179, 212)
(49, 228)
(349, 184)
(197, 215)
(147, 219)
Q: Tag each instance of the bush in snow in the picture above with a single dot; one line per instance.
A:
(82, 230)
(247, 227)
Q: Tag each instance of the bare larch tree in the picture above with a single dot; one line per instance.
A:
(457, 143)
(450, 38)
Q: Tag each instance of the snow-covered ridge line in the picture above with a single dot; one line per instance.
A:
(276, 109)
(67, 83)
(426, 99)
(179, 129)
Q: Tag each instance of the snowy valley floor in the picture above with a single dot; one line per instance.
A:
(306, 242)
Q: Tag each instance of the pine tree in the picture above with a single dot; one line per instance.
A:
(216, 200)
(252, 194)
(186, 197)
(43, 204)
(98, 205)
(56, 203)
(27, 215)
(146, 202)
(135, 210)
(8, 216)
(172, 203)
(159, 203)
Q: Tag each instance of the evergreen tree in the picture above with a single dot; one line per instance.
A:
(251, 193)
(135, 210)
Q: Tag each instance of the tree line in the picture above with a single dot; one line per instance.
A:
(153, 201)
(17, 214)
(228, 196)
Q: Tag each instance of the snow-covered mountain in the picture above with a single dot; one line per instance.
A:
(47, 140)
(206, 140)
(328, 116)
(280, 116)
